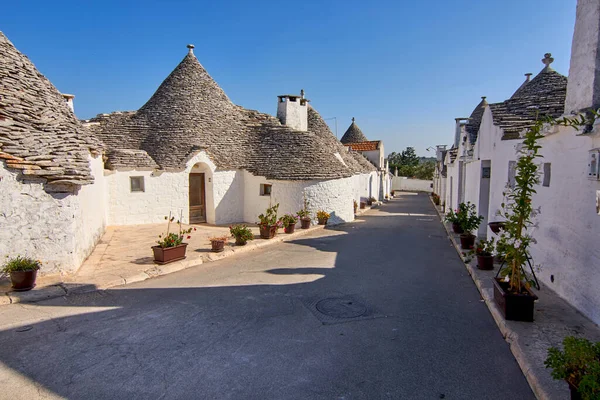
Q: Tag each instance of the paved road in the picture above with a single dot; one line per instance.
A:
(403, 320)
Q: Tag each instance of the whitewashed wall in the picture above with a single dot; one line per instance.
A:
(169, 192)
(334, 196)
(60, 229)
(417, 185)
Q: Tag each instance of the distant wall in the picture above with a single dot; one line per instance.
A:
(414, 185)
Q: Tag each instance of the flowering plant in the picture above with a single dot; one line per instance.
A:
(289, 219)
(172, 239)
(485, 247)
(269, 218)
(517, 209)
(241, 232)
(20, 263)
(304, 213)
(468, 218)
(322, 214)
(452, 217)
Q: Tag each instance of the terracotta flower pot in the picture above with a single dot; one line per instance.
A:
(267, 231)
(514, 306)
(23, 280)
(496, 226)
(485, 262)
(217, 246)
(369, 202)
(467, 241)
(289, 228)
(456, 228)
(363, 205)
(164, 255)
(575, 395)
(305, 223)
(240, 242)
(323, 221)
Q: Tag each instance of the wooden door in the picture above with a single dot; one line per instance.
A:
(197, 199)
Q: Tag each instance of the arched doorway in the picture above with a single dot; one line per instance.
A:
(197, 198)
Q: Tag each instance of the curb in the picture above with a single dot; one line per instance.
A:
(511, 336)
(67, 288)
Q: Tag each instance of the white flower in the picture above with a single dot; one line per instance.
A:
(518, 243)
(506, 278)
(530, 153)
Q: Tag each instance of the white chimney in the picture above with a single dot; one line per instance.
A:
(69, 99)
(292, 111)
(583, 89)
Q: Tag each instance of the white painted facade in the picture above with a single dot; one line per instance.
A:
(58, 228)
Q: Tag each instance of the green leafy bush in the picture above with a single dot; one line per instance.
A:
(241, 232)
(579, 364)
(20, 263)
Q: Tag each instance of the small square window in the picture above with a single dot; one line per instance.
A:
(265, 189)
(137, 183)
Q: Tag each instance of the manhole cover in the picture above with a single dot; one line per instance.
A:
(341, 307)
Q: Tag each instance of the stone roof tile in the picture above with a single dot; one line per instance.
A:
(39, 134)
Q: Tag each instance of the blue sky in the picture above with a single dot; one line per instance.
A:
(404, 69)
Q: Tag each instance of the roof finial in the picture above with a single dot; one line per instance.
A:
(302, 93)
(352, 119)
(547, 60)
(191, 47)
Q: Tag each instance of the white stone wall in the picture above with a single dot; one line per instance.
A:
(169, 192)
(334, 196)
(415, 185)
(60, 229)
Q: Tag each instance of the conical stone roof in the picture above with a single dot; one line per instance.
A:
(353, 134)
(189, 112)
(543, 96)
(39, 134)
(474, 122)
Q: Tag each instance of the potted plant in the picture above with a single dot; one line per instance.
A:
(22, 271)
(436, 199)
(304, 215)
(579, 365)
(218, 243)
(355, 206)
(268, 223)
(170, 246)
(392, 193)
(453, 218)
(371, 200)
(241, 233)
(485, 254)
(322, 216)
(289, 222)
(363, 205)
(469, 221)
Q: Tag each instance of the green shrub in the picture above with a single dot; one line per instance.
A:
(20, 263)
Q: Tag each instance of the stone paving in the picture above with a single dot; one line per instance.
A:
(124, 256)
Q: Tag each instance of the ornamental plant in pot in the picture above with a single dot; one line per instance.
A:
(322, 216)
(268, 223)
(484, 251)
(579, 365)
(469, 221)
(453, 218)
(304, 215)
(289, 222)
(355, 206)
(371, 200)
(218, 243)
(170, 246)
(22, 271)
(241, 233)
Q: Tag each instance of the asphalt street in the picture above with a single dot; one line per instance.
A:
(381, 308)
